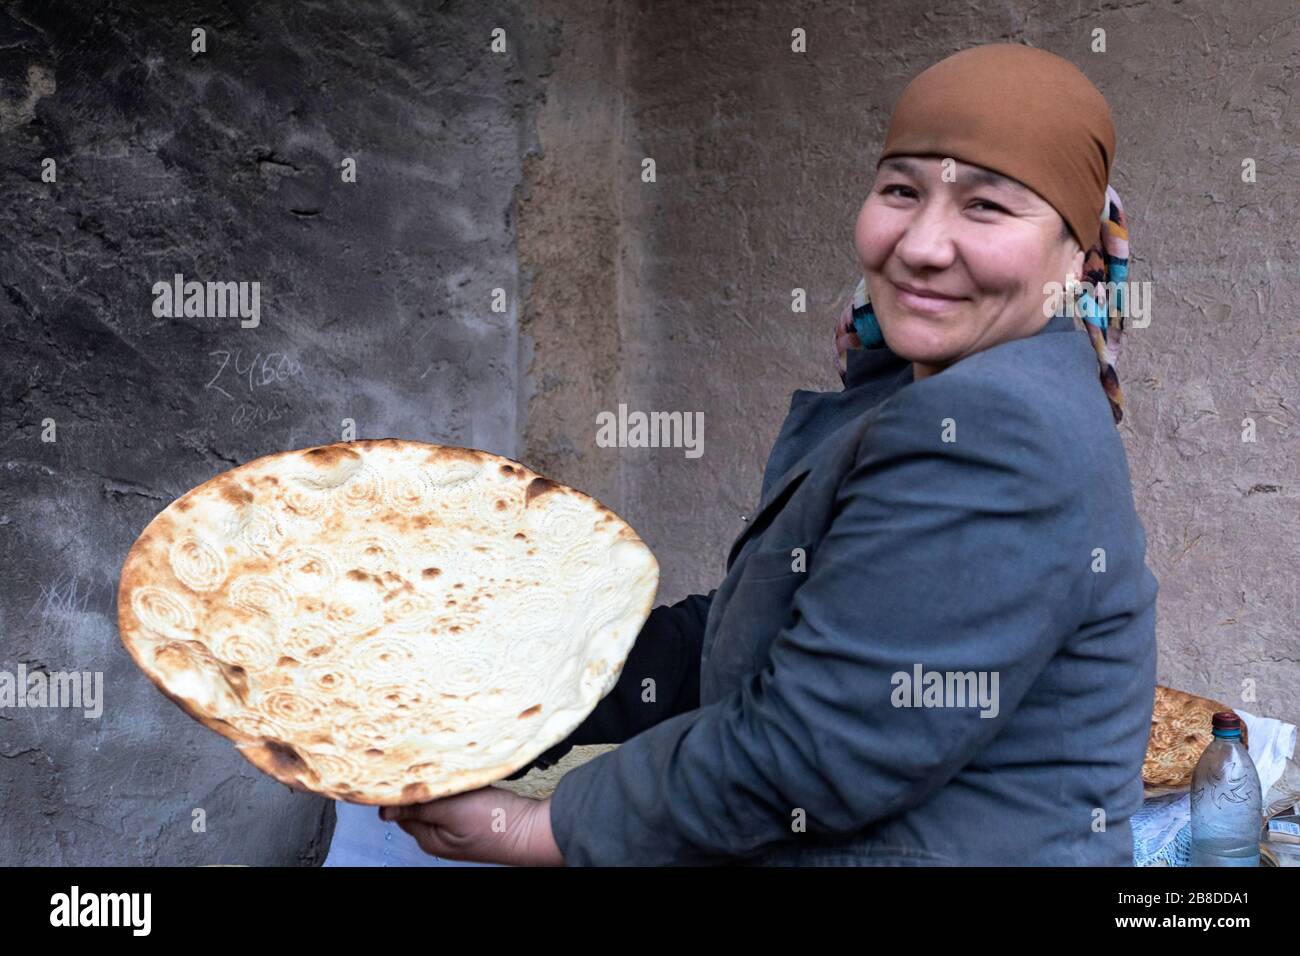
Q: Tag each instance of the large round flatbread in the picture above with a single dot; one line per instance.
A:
(1180, 731)
(386, 622)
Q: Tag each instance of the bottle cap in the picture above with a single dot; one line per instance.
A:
(1226, 722)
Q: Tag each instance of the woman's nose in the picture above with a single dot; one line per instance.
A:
(927, 240)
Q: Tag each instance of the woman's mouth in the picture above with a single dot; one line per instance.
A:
(921, 301)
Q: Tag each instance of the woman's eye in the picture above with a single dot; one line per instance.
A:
(893, 190)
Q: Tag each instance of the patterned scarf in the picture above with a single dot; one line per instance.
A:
(1106, 261)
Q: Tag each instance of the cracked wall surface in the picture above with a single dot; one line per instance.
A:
(524, 172)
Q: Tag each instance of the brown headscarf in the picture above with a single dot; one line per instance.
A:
(1021, 112)
(1033, 116)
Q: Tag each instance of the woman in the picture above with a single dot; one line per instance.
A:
(935, 642)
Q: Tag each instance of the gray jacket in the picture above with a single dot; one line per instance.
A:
(934, 644)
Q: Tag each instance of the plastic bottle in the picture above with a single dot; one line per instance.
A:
(1226, 800)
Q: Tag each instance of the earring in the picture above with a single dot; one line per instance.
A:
(868, 329)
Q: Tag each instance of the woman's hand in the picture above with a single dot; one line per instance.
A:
(488, 825)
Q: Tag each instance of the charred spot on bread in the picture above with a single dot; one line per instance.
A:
(284, 757)
(538, 487)
(235, 493)
(237, 678)
(331, 455)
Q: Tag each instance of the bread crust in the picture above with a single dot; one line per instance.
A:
(1180, 732)
(385, 621)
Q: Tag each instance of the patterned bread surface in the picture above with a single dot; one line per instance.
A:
(386, 622)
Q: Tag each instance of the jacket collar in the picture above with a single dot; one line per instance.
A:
(864, 365)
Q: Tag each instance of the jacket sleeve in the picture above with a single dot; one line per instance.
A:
(667, 651)
(965, 556)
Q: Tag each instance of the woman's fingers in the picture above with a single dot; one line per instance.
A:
(412, 811)
(460, 806)
(488, 825)
(432, 840)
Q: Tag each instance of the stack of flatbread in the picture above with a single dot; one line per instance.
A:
(1180, 731)
(386, 622)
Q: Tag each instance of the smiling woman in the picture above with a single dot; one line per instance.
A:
(985, 206)
(959, 264)
(943, 520)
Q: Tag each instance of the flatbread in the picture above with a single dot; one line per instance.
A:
(386, 622)
(1180, 731)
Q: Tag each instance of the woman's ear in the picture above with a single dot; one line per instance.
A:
(1076, 261)
(1073, 250)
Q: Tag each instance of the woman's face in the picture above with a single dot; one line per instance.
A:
(988, 242)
